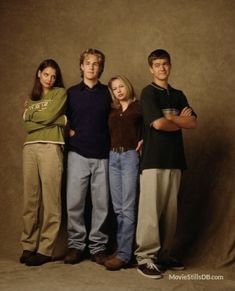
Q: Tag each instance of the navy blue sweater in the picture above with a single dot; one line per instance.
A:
(87, 112)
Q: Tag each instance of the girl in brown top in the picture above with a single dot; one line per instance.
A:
(125, 126)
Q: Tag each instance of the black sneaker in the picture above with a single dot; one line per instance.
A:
(25, 256)
(149, 270)
(38, 260)
(174, 264)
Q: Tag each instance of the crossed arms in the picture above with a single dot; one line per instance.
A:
(171, 122)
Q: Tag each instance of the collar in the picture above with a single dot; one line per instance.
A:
(83, 86)
(159, 87)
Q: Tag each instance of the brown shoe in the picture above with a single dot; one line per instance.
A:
(115, 264)
(73, 256)
(99, 257)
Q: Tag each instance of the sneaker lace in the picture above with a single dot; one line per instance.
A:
(152, 266)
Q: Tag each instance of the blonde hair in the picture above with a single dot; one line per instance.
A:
(130, 90)
(100, 56)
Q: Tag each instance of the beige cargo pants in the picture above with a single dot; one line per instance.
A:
(42, 171)
(157, 214)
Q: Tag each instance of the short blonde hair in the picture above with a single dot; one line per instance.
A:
(130, 90)
(100, 56)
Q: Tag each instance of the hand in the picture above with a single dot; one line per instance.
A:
(139, 145)
(24, 103)
(71, 132)
(186, 111)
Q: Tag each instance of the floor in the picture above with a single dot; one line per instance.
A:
(87, 276)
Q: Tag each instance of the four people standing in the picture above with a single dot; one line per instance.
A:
(95, 162)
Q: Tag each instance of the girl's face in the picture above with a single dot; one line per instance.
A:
(47, 78)
(119, 90)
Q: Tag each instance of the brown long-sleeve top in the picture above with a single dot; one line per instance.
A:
(125, 126)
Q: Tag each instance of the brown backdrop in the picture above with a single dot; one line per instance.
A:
(199, 35)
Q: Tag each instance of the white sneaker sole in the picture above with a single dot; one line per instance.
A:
(176, 268)
(149, 276)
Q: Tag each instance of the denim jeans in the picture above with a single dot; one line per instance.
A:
(82, 171)
(123, 175)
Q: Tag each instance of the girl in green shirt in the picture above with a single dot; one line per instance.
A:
(44, 121)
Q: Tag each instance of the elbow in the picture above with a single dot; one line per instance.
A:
(193, 124)
(157, 125)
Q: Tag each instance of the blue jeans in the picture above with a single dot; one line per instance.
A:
(82, 171)
(123, 177)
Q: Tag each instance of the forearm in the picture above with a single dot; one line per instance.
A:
(60, 121)
(33, 126)
(165, 125)
(50, 109)
(186, 122)
(48, 117)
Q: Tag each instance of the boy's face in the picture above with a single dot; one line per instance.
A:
(160, 69)
(90, 67)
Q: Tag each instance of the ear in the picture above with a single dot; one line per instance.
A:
(151, 70)
(82, 67)
(39, 73)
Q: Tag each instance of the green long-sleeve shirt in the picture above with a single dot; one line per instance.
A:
(44, 120)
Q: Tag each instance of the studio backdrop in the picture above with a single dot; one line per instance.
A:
(198, 34)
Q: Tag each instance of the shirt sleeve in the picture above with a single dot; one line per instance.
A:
(184, 103)
(31, 126)
(56, 107)
(150, 107)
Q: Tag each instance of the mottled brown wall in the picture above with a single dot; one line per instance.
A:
(199, 35)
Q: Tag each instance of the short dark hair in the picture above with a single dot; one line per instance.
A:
(158, 54)
(100, 56)
(36, 93)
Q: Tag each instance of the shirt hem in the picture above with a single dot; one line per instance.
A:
(44, 141)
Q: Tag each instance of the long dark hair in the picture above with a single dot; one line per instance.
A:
(36, 93)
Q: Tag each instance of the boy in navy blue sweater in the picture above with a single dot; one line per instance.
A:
(88, 109)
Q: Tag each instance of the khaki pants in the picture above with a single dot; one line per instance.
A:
(157, 215)
(42, 171)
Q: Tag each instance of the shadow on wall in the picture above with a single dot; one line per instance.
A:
(205, 205)
(202, 206)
